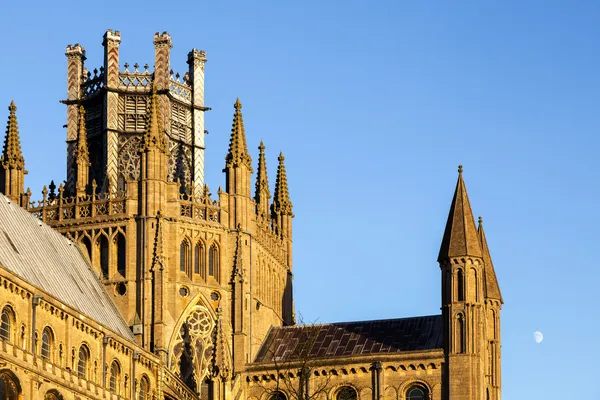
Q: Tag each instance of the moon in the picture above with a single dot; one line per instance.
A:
(538, 337)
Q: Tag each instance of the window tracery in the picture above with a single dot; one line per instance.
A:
(346, 393)
(7, 320)
(10, 387)
(129, 157)
(192, 348)
(47, 340)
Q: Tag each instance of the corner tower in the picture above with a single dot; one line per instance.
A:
(465, 303)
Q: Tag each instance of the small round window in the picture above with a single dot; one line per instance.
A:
(121, 288)
(184, 291)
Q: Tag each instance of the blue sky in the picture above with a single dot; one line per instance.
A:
(374, 104)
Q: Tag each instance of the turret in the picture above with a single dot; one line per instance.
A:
(462, 265)
(82, 158)
(111, 43)
(75, 64)
(196, 61)
(281, 209)
(262, 195)
(238, 167)
(12, 163)
(493, 304)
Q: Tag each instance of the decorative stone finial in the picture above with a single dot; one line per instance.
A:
(460, 169)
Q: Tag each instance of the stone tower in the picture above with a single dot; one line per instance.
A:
(471, 303)
(200, 281)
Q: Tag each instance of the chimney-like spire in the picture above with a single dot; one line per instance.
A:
(492, 289)
(12, 156)
(154, 136)
(238, 150)
(262, 193)
(281, 200)
(460, 236)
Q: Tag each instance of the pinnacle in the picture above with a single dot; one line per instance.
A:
(238, 149)
(281, 200)
(460, 235)
(12, 156)
(262, 193)
(153, 136)
(492, 289)
(82, 147)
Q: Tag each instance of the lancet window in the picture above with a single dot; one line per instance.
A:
(47, 341)
(6, 324)
(115, 374)
(121, 254)
(460, 285)
(199, 260)
(104, 256)
(185, 258)
(213, 261)
(144, 392)
(82, 362)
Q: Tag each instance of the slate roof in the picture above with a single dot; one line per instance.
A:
(341, 339)
(46, 259)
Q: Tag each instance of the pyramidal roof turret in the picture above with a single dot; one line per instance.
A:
(238, 150)
(492, 289)
(12, 156)
(460, 236)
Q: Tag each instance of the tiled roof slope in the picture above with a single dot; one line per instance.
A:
(351, 338)
(43, 257)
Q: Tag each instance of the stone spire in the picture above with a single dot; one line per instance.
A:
(460, 236)
(492, 289)
(281, 199)
(12, 156)
(154, 136)
(12, 163)
(262, 193)
(238, 150)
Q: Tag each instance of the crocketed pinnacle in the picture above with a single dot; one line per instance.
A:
(262, 193)
(281, 199)
(460, 236)
(492, 289)
(12, 156)
(82, 146)
(238, 150)
(154, 137)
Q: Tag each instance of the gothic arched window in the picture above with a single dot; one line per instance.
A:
(104, 256)
(53, 394)
(417, 393)
(47, 340)
(8, 319)
(82, 361)
(346, 393)
(213, 261)
(144, 389)
(184, 258)
(121, 255)
(10, 387)
(199, 260)
(115, 373)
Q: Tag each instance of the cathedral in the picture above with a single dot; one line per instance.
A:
(131, 280)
